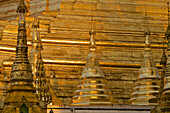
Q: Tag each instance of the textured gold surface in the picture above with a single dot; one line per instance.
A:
(119, 26)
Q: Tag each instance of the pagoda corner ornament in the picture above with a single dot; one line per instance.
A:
(93, 88)
(146, 88)
(21, 97)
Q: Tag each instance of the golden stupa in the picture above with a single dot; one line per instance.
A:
(21, 95)
(93, 88)
(41, 84)
(146, 88)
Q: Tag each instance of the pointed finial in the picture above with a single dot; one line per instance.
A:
(35, 37)
(22, 7)
(39, 46)
(147, 32)
(92, 33)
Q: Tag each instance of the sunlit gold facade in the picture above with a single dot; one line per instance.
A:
(119, 25)
(93, 88)
(146, 88)
(21, 93)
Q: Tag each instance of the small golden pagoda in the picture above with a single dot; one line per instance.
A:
(93, 88)
(43, 90)
(166, 90)
(21, 97)
(40, 83)
(146, 88)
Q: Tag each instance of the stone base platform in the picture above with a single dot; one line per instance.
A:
(101, 109)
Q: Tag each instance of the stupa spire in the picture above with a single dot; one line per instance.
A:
(34, 52)
(41, 84)
(146, 87)
(21, 49)
(147, 34)
(92, 88)
(35, 39)
(92, 46)
(166, 90)
(21, 92)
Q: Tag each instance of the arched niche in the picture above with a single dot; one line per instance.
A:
(24, 109)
